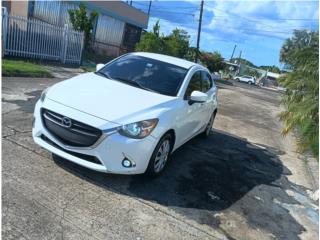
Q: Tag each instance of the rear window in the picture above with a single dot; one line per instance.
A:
(152, 74)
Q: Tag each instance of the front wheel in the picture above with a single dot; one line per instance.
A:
(207, 131)
(160, 156)
(250, 83)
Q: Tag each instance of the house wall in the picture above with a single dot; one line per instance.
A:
(112, 33)
(122, 11)
(6, 4)
(18, 8)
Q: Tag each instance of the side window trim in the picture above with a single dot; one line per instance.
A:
(203, 75)
(185, 97)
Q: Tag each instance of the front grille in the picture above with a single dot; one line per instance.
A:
(70, 132)
(85, 157)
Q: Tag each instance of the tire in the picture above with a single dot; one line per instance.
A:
(250, 82)
(206, 132)
(238, 79)
(157, 163)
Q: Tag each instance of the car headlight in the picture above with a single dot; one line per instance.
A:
(43, 94)
(138, 130)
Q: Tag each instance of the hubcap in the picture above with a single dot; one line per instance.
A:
(162, 156)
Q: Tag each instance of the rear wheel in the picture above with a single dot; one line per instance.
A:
(160, 156)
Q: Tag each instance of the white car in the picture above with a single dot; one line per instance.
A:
(129, 115)
(247, 79)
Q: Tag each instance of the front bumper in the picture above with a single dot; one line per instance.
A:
(110, 150)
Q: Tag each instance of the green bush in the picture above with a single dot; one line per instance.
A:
(301, 52)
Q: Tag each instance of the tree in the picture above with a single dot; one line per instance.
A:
(273, 68)
(213, 61)
(175, 44)
(191, 54)
(251, 72)
(151, 41)
(243, 61)
(301, 52)
(82, 22)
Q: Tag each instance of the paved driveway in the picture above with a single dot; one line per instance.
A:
(244, 182)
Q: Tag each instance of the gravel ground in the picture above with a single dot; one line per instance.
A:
(245, 182)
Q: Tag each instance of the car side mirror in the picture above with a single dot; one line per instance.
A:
(99, 66)
(198, 97)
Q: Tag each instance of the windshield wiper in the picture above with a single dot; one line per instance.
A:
(134, 83)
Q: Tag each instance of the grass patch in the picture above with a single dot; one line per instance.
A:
(15, 68)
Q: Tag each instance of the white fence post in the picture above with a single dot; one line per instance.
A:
(81, 48)
(4, 29)
(65, 43)
(30, 38)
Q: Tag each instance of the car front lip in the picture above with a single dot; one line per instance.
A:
(110, 149)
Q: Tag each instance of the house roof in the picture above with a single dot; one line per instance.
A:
(273, 75)
(120, 10)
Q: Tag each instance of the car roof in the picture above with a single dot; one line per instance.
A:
(165, 58)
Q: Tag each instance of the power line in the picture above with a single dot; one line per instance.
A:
(252, 20)
(276, 19)
(179, 13)
(164, 7)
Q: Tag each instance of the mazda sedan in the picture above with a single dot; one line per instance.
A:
(129, 115)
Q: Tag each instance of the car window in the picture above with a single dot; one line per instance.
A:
(194, 84)
(148, 73)
(206, 81)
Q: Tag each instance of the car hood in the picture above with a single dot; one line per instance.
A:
(104, 98)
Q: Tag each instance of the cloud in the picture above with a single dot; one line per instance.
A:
(257, 27)
(261, 18)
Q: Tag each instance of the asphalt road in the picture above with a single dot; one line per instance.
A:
(245, 182)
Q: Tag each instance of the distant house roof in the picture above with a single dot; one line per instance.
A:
(273, 75)
(120, 10)
(231, 63)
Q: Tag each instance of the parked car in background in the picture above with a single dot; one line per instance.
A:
(246, 78)
(129, 115)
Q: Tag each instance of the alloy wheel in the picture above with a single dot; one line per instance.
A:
(162, 156)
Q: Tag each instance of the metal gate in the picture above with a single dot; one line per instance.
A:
(30, 38)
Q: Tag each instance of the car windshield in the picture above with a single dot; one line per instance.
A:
(146, 73)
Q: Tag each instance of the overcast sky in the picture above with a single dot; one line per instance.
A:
(258, 28)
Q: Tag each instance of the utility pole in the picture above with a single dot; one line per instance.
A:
(233, 51)
(240, 57)
(199, 31)
(149, 7)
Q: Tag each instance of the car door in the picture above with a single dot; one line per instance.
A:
(210, 89)
(191, 116)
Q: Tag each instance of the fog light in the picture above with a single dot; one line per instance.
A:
(126, 163)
